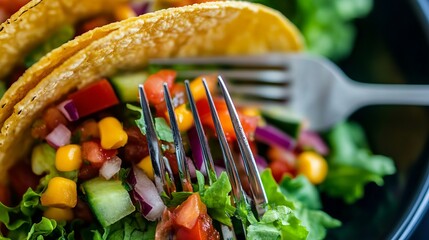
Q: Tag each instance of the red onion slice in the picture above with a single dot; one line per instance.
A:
(69, 110)
(146, 194)
(110, 167)
(59, 137)
(273, 136)
(309, 139)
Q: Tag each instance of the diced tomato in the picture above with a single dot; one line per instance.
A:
(23, 178)
(178, 97)
(280, 168)
(196, 232)
(248, 123)
(153, 85)
(186, 215)
(5, 195)
(53, 117)
(95, 154)
(95, 97)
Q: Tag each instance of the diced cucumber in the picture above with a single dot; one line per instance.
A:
(126, 85)
(284, 120)
(108, 199)
(43, 159)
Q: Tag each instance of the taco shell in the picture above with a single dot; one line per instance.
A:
(30, 26)
(217, 28)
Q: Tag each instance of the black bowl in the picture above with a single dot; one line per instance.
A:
(391, 47)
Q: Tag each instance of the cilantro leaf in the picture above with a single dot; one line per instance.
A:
(352, 165)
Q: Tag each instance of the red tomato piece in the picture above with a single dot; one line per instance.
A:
(280, 168)
(186, 215)
(202, 230)
(95, 97)
(153, 85)
(95, 154)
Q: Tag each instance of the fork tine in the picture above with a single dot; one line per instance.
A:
(260, 75)
(258, 192)
(208, 160)
(159, 163)
(237, 188)
(267, 92)
(183, 167)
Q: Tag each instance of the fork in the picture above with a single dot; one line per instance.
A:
(258, 199)
(310, 86)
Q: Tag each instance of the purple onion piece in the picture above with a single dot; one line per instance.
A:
(59, 137)
(309, 139)
(261, 163)
(271, 135)
(69, 110)
(146, 194)
(197, 151)
(110, 167)
(140, 7)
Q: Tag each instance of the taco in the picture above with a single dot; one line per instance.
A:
(42, 25)
(218, 28)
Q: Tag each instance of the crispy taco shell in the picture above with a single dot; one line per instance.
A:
(30, 26)
(217, 28)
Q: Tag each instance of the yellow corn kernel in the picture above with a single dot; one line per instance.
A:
(146, 166)
(112, 134)
(68, 158)
(59, 214)
(61, 192)
(197, 87)
(184, 117)
(123, 12)
(313, 166)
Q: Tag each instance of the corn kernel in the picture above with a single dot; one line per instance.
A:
(112, 134)
(68, 158)
(123, 12)
(61, 192)
(184, 118)
(59, 214)
(313, 166)
(146, 166)
(197, 87)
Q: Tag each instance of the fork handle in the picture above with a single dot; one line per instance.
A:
(398, 94)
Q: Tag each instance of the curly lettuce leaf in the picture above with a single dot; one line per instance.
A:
(305, 200)
(352, 165)
(216, 198)
(301, 190)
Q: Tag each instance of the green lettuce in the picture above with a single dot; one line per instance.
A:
(216, 198)
(351, 164)
(298, 200)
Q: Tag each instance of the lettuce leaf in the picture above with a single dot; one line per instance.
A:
(216, 198)
(352, 165)
(301, 190)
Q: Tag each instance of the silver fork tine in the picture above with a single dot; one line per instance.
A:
(160, 167)
(237, 188)
(208, 160)
(183, 167)
(263, 76)
(258, 192)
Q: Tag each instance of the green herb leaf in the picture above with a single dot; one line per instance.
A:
(301, 190)
(351, 163)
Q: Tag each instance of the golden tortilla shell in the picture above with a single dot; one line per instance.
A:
(217, 28)
(30, 26)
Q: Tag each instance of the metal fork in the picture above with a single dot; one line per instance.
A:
(258, 198)
(311, 86)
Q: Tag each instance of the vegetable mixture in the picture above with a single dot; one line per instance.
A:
(90, 175)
